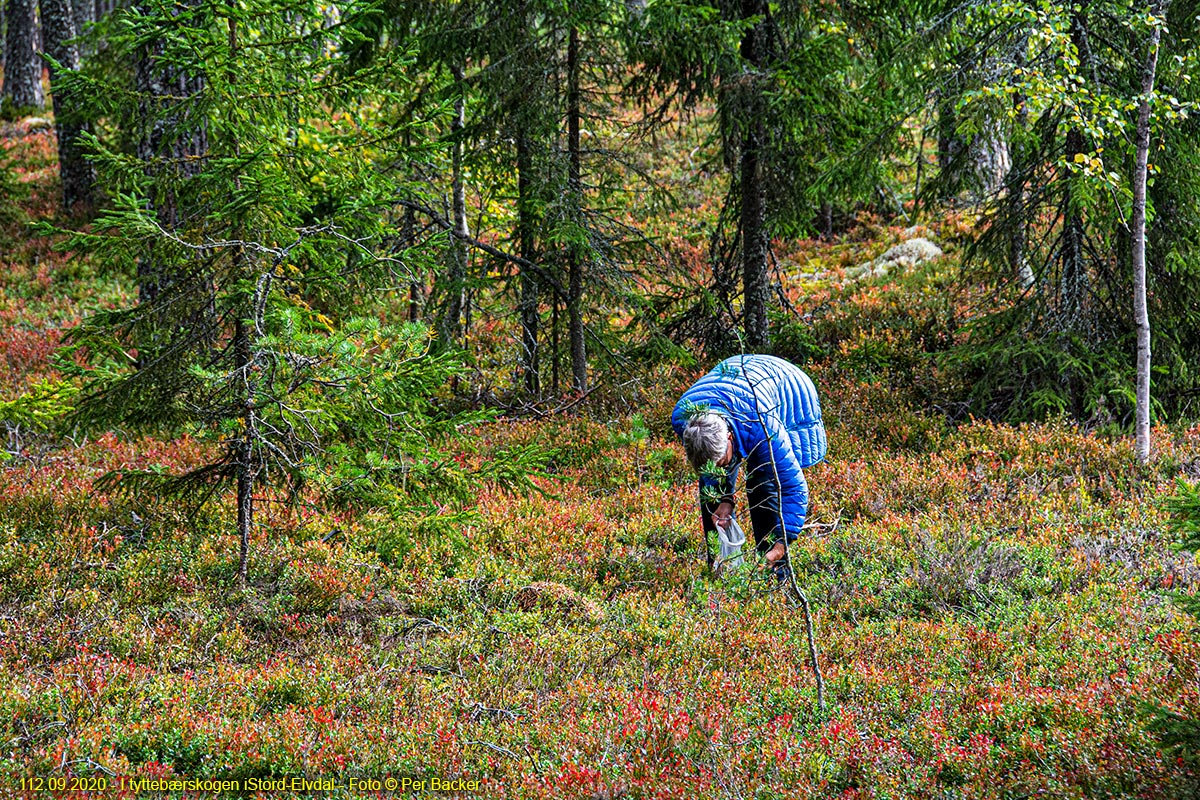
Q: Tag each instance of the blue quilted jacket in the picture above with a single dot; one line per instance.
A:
(773, 411)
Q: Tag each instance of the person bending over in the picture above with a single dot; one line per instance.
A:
(762, 412)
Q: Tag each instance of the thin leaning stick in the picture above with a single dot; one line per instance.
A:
(787, 554)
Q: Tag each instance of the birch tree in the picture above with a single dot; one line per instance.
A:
(1141, 314)
(1069, 233)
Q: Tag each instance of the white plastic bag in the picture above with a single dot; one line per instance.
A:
(731, 539)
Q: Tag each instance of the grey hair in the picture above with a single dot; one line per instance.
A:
(706, 438)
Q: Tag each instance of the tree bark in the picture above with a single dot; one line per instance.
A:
(1018, 260)
(990, 160)
(1141, 314)
(243, 354)
(456, 267)
(755, 273)
(825, 219)
(414, 300)
(554, 346)
(1074, 280)
(246, 468)
(755, 245)
(977, 166)
(529, 282)
(169, 144)
(22, 90)
(83, 13)
(58, 29)
(575, 187)
(950, 148)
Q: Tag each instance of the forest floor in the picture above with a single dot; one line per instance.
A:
(991, 601)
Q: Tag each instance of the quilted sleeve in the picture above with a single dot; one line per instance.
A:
(775, 455)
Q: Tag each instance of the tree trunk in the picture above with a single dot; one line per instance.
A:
(82, 12)
(529, 281)
(554, 349)
(1018, 260)
(169, 144)
(990, 160)
(825, 219)
(755, 245)
(58, 29)
(243, 355)
(1141, 314)
(1074, 281)
(245, 450)
(575, 187)
(22, 89)
(977, 166)
(456, 268)
(950, 149)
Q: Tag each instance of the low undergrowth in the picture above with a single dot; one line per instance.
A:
(989, 600)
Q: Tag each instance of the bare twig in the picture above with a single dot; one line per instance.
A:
(422, 622)
(480, 711)
(496, 252)
(496, 747)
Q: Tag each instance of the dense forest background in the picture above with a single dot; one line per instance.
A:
(340, 343)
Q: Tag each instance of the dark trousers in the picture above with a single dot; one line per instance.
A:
(763, 495)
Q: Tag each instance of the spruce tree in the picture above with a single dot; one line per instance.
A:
(796, 119)
(262, 330)
(534, 75)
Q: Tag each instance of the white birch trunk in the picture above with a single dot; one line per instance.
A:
(1141, 314)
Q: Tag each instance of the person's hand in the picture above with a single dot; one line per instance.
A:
(723, 515)
(773, 556)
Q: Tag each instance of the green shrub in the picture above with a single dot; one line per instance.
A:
(1006, 373)
(1179, 728)
(12, 189)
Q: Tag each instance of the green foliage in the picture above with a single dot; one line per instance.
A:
(1017, 375)
(1180, 734)
(11, 188)
(683, 47)
(986, 595)
(45, 402)
(11, 113)
(258, 328)
(693, 410)
(36, 410)
(1184, 507)
(1179, 729)
(1060, 83)
(795, 341)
